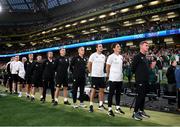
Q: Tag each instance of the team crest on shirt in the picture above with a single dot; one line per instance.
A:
(27, 63)
(78, 59)
(84, 59)
(52, 62)
(142, 58)
(60, 60)
(36, 65)
(66, 60)
(46, 63)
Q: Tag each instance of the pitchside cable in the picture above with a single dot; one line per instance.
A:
(104, 41)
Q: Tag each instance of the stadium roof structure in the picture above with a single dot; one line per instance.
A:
(31, 5)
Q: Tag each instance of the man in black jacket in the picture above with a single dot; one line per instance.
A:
(48, 76)
(160, 67)
(78, 68)
(171, 81)
(37, 70)
(28, 77)
(141, 70)
(61, 67)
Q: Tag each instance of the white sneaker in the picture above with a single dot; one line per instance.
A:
(102, 108)
(75, 106)
(119, 111)
(83, 105)
(20, 95)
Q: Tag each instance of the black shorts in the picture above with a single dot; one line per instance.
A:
(37, 83)
(62, 82)
(28, 79)
(97, 82)
(15, 78)
(21, 80)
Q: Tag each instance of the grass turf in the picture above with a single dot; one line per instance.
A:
(21, 112)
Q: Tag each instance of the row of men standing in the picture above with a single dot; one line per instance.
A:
(46, 73)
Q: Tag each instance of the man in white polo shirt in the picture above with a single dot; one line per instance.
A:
(14, 71)
(96, 68)
(18, 73)
(115, 74)
(21, 77)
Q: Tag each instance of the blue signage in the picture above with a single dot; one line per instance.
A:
(104, 41)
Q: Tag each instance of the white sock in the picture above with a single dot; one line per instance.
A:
(109, 108)
(56, 99)
(32, 96)
(117, 107)
(65, 99)
(100, 103)
(41, 96)
(91, 103)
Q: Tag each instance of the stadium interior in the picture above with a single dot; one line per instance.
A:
(34, 25)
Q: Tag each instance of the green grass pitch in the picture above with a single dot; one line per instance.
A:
(16, 111)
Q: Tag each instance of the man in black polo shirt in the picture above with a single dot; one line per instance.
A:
(78, 68)
(61, 67)
(28, 76)
(141, 69)
(48, 75)
(37, 70)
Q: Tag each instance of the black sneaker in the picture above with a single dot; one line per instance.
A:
(67, 103)
(91, 108)
(32, 99)
(55, 103)
(136, 116)
(27, 96)
(110, 113)
(41, 99)
(102, 107)
(52, 101)
(119, 110)
(143, 114)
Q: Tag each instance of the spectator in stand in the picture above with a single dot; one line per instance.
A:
(177, 76)
(153, 72)
(171, 81)
(160, 67)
